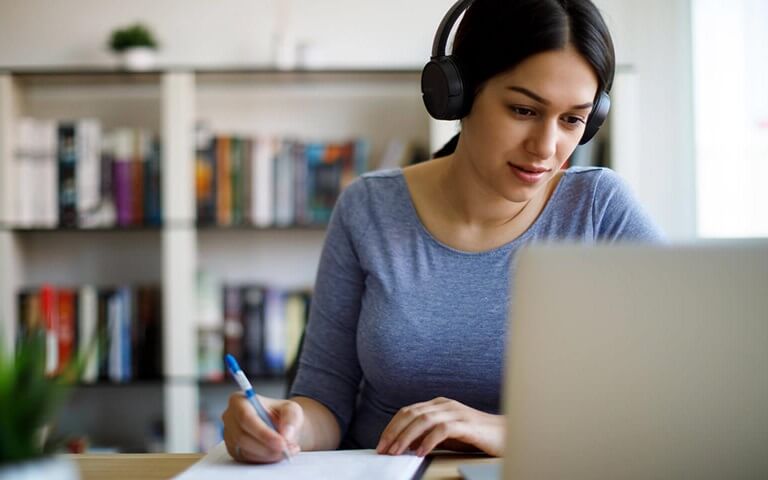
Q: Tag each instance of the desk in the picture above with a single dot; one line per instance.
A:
(164, 466)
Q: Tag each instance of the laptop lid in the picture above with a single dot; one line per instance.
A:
(638, 362)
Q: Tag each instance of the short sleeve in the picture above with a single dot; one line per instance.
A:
(617, 214)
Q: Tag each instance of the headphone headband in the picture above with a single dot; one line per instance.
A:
(443, 89)
(440, 42)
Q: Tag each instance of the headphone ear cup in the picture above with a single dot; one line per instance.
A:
(442, 89)
(596, 117)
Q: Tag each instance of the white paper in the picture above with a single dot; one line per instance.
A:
(330, 465)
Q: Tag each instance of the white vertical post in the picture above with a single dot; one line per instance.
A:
(179, 263)
(626, 156)
(9, 254)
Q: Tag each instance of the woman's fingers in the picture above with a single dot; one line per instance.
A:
(249, 439)
(422, 425)
(414, 419)
(248, 420)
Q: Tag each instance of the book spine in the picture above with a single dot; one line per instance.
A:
(263, 182)
(247, 159)
(114, 316)
(67, 159)
(274, 314)
(205, 168)
(152, 195)
(49, 174)
(253, 322)
(137, 176)
(233, 321)
(223, 182)
(88, 347)
(66, 331)
(88, 166)
(236, 172)
(49, 313)
(122, 176)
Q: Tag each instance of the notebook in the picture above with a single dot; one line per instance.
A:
(330, 465)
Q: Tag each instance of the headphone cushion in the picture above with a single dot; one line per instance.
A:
(443, 89)
(596, 117)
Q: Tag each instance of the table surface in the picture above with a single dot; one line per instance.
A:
(163, 466)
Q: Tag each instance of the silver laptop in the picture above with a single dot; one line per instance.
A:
(638, 362)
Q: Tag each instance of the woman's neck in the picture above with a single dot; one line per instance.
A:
(471, 201)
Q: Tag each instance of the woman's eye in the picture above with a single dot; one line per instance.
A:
(573, 121)
(522, 111)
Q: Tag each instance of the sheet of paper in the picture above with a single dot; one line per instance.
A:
(329, 465)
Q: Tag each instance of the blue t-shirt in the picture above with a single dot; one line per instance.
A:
(397, 317)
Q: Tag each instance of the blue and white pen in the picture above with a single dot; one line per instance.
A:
(245, 386)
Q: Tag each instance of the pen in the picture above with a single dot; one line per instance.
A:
(245, 386)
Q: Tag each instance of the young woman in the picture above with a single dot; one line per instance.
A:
(405, 342)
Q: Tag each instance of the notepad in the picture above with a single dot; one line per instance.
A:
(330, 465)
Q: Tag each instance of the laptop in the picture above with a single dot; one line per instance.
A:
(637, 362)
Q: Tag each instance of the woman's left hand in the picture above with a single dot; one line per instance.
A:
(424, 426)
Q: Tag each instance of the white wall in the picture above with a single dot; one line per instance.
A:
(653, 36)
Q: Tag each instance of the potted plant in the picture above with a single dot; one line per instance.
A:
(29, 399)
(136, 46)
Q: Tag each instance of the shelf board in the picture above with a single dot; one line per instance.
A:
(159, 382)
(105, 74)
(167, 226)
(254, 228)
(138, 229)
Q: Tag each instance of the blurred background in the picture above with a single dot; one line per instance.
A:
(176, 195)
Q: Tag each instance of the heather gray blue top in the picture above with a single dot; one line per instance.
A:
(398, 317)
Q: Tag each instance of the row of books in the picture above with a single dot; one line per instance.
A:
(266, 181)
(260, 326)
(75, 174)
(115, 332)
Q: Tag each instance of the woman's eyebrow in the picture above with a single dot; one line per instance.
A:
(543, 100)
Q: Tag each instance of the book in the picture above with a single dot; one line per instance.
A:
(88, 171)
(233, 321)
(67, 162)
(66, 333)
(88, 345)
(263, 182)
(254, 335)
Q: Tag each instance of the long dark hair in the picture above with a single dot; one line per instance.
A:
(496, 35)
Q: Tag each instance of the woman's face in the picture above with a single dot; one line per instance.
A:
(526, 122)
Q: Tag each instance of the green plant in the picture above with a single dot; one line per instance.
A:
(29, 399)
(136, 35)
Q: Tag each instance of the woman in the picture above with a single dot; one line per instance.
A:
(405, 342)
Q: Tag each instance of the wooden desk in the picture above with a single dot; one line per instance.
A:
(166, 465)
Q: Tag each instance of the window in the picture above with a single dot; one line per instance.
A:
(730, 78)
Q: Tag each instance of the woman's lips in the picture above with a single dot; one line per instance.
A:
(530, 175)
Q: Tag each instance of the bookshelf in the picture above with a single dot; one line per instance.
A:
(331, 104)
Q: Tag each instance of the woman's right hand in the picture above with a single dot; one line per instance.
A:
(249, 439)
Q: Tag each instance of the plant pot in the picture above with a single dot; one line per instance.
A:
(138, 58)
(48, 468)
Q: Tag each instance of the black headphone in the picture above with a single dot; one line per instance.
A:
(442, 87)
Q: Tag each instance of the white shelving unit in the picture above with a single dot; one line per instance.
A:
(328, 105)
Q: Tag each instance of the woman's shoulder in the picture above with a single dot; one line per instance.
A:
(375, 186)
(372, 194)
(597, 181)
